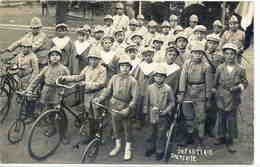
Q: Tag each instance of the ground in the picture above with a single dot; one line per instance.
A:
(65, 154)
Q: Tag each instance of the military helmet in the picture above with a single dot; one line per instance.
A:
(217, 23)
(119, 5)
(194, 18)
(233, 19)
(55, 49)
(160, 69)
(152, 23)
(36, 22)
(213, 37)
(165, 24)
(200, 28)
(230, 46)
(94, 52)
(125, 60)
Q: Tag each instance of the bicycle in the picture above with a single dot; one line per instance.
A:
(8, 85)
(57, 119)
(24, 116)
(92, 149)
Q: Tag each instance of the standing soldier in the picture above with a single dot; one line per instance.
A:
(28, 62)
(98, 35)
(214, 58)
(230, 81)
(151, 34)
(120, 19)
(181, 41)
(141, 27)
(108, 27)
(194, 20)
(38, 40)
(235, 35)
(64, 43)
(159, 103)
(123, 91)
(198, 36)
(195, 90)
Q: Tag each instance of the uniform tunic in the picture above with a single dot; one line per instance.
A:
(48, 76)
(30, 68)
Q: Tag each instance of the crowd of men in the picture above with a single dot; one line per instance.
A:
(145, 71)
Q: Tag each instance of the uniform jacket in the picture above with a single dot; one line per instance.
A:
(226, 100)
(48, 77)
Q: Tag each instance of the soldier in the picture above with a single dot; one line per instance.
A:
(38, 40)
(64, 43)
(159, 102)
(194, 20)
(218, 28)
(214, 58)
(159, 51)
(132, 30)
(173, 22)
(166, 35)
(234, 35)
(98, 35)
(141, 27)
(50, 92)
(123, 91)
(181, 41)
(28, 62)
(151, 34)
(95, 77)
(119, 44)
(120, 19)
(108, 27)
(230, 81)
(195, 89)
(198, 36)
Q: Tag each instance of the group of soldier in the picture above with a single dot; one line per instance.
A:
(145, 71)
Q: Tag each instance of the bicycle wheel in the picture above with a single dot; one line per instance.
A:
(170, 135)
(16, 131)
(45, 136)
(5, 100)
(91, 151)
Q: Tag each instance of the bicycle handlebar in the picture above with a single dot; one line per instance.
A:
(64, 86)
(102, 106)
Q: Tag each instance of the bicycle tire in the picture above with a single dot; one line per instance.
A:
(17, 127)
(38, 123)
(4, 108)
(88, 154)
(169, 141)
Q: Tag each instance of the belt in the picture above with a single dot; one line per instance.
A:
(196, 83)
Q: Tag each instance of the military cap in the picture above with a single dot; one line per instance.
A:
(62, 25)
(55, 49)
(95, 53)
(230, 46)
(172, 49)
(194, 18)
(200, 28)
(178, 28)
(139, 34)
(152, 23)
(133, 22)
(181, 35)
(217, 23)
(108, 37)
(173, 17)
(98, 28)
(165, 24)
(198, 47)
(160, 69)
(131, 46)
(125, 60)
(233, 19)
(140, 16)
(118, 30)
(119, 5)
(148, 49)
(36, 22)
(213, 37)
(158, 38)
(108, 17)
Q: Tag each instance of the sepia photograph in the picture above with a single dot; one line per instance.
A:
(127, 82)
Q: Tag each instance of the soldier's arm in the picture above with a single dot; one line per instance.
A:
(37, 80)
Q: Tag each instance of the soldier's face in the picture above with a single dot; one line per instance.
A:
(107, 44)
(230, 55)
(108, 22)
(152, 29)
(233, 26)
(166, 30)
(137, 40)
(125, 68)
(171, 57)
(148, 57)
(55, 58)
(26, 50)
(93, 62)
(35, 30)
(132, 27)
(193, 24)
(159, 78)
(157, 45)
(199, 35)
(196, 56)
(81, 37)
(212, 45)
(120, 36)
(181, 43)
